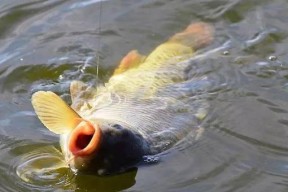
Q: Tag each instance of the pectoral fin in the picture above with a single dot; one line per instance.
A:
(76, 88)
(54, 113)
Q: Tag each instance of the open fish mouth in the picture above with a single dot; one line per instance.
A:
(84, 139)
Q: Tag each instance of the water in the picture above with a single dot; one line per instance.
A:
(47, 44)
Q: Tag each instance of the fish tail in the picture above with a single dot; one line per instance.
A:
(196, 35)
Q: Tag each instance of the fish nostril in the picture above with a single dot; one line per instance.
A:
(117, 126)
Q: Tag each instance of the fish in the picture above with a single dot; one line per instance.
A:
(149, 104)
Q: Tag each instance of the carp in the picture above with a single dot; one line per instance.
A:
(147, 106)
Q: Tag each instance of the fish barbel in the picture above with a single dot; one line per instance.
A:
(146, 107)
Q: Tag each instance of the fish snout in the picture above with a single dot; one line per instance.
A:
(85, 139)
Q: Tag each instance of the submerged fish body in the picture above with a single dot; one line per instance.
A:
(147, 106)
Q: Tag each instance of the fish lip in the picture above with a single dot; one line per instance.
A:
(85, 128)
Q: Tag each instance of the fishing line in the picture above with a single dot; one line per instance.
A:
(99, 35)
(90, 59)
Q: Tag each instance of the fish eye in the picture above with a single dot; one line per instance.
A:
(117, 126)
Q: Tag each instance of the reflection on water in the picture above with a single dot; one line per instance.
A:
(40, 167)
(47, 44)
(44, 167)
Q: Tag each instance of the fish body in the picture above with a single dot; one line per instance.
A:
(145, 108)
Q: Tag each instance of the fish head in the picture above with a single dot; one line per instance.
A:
(90, 145)
(102, 147)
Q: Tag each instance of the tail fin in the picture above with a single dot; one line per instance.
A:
(196, 35)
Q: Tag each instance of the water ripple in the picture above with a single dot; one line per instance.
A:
(32, 167)
(85, 3)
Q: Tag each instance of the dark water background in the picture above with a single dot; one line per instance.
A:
(44, 45)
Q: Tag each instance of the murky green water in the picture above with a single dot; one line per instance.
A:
(44, 45)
